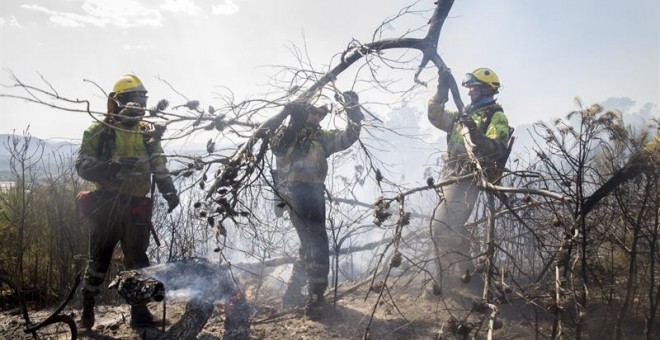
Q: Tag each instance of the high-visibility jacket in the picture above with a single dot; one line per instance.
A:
(491, 123)
(302, 155)
(102, 145)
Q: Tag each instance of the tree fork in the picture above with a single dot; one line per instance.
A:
(427, 45)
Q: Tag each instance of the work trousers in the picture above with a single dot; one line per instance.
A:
(307, 213)
(450, 236)
(113, 221)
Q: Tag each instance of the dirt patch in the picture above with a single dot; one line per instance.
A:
(399, 315)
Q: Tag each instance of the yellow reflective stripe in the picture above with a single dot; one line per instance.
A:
(498, 128)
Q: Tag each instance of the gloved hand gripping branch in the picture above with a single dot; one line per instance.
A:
(351, 102)
(469, 123)
(444, 81)
(476, 136)
(285, 134)
(298, 114)
(485, 147)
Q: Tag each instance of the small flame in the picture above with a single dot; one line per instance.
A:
(249, 292)
(238, 297)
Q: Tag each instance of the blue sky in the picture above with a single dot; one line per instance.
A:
(545, 52)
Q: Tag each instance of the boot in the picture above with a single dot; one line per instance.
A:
(315, 307)
(141, 316)
(87, 319)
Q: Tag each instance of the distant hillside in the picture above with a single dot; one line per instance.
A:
(65, 148)
(50, 148)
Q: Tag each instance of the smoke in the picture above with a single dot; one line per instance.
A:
(195, 279)
(633, 114)
(203, 284)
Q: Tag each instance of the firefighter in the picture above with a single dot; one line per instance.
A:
(120, 160)
(301, 149)
(489, 132)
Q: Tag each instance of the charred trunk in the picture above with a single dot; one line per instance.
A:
(206, 285)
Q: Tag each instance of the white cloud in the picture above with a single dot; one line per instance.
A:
(36, 8)
(125, 13)
(138, 48)
(228, 8)
(181, 6)
(122, 13)
(10, 21)
(65, 21)
(100, 13)
(66, 18)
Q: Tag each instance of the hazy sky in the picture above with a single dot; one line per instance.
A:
(545, 52)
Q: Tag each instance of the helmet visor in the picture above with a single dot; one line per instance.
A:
(471, 80)
(137, 97)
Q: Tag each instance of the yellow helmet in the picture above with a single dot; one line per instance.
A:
(128, 88)
(482, 76)
(128, 83)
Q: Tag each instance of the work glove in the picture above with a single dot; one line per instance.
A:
(483, 144)
(127, 163)
(172, 201)
(469, 123)
(353, 110)
(110, 170)
(167, 190)
(298, 115)
(350, 98)
(444, 80)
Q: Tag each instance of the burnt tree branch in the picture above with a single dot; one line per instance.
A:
(427, 45)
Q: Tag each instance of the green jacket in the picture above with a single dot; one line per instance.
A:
(103, 154)
(490, 139)
(302, 155)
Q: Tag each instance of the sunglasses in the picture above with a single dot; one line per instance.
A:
(133, 97)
